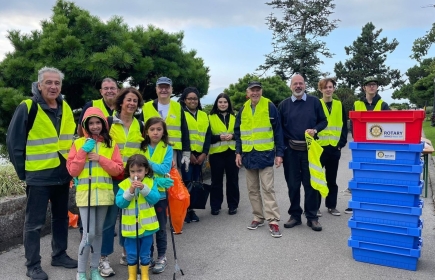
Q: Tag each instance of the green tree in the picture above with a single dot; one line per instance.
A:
(296, 38)
(422, 45)
(9, 100)
(274, 88)
(420, 87)
(368, 55)
(399, 106)
(87, 49)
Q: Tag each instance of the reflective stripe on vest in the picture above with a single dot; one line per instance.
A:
(317, 174)
(44, 144)
(128, 144)
(101, 181)
(218, 127)
(147, 219)
(158, 157)
(331, 134)
(173, 120)
(361, 106)
(256, 134)
(197, 130)
(100, 104)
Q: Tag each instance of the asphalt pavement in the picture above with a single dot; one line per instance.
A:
(222, 248)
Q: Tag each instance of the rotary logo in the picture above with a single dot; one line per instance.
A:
(381, 154)
(376, 130)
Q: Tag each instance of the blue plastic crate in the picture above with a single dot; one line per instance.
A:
(385, 197)
(385, 234)
(400, 188)
(398, 257)
(403, 216)
(386, 153)
(386, 173)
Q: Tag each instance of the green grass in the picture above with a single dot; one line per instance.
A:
(429, 131)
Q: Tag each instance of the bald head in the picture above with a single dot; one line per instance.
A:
(297, 86)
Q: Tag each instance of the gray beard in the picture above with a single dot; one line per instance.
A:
(296, 94)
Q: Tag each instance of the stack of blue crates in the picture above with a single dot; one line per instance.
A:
(386, 226)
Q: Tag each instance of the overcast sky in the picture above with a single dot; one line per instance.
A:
(231, 35)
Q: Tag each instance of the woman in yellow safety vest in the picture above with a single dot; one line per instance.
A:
(94, 159)
(222, 156)
(125, 129)
(332, 139)
(199, 136)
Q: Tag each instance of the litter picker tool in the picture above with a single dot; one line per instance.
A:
(136, 209)
(89, 211)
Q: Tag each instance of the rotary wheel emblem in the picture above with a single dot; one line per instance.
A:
(376, 130)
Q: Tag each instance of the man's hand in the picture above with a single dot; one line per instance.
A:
(193, 159)
(278, 161)
(201, 158)
(311, 132)
(238, 160)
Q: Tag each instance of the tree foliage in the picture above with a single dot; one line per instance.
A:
(422, 45)
(368, 54)
(296, 38)
(10, 98)
(88, 49)
(274, 88)
(420, 87)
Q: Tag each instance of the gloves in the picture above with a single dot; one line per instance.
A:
(186, 160)
(164, 182)
(89, 145)
(76, 181)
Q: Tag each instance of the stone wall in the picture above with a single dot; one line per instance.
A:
(12, 213)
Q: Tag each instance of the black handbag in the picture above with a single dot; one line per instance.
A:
(199, 192)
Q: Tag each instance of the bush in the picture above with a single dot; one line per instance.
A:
(9, 182)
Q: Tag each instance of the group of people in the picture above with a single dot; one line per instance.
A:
(127, 147)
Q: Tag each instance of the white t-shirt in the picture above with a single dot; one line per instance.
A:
(163, 110)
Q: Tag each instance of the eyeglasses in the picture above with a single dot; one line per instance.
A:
(192, 99)
(372, 85)
(110, 88)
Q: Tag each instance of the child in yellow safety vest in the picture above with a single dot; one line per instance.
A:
(136, 197)
(94, 159)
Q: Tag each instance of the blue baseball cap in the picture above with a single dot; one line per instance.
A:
(164, 80)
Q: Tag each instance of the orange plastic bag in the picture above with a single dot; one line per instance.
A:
(179, 200)
(73, 220)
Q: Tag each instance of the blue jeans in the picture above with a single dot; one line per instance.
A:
(36, 210)
(109, 226)
(161, 236)
(144, 249)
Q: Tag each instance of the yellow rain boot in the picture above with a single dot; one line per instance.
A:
(144, 272)
(132, 272)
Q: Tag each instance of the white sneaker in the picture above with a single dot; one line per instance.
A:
(104, 267)
(123, 260)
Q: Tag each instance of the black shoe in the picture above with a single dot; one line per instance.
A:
(193, 216)
(215, 212)
(36, 273)
(314, 225)
(64, 261)
(291, 223)
(232, 211)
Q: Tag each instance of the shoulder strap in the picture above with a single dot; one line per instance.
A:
(32, 115)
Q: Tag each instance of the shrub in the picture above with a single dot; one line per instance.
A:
(9, 182)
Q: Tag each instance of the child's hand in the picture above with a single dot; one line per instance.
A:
(137, 185)
(93, 156)
(89, 145)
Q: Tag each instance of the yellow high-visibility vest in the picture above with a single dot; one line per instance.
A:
(100, 104)
(173, 120)
(158, 157)
(101, 181)
(197, 130)
(255, 129)
(43, 144)
(331, 134)
(361, 106)
(147, 219)
(218, 127)
(317, 174)
(128, 144)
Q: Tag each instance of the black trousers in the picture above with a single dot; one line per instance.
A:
(36, 209)
(220, 162)
(296, 171)
(330, 159)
